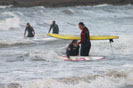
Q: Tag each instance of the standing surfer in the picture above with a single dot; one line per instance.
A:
(55, 28)
(85, 40)
(31, 32)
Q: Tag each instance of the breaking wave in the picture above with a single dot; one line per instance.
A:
(3, 7)
(12, 21)
(112, 79)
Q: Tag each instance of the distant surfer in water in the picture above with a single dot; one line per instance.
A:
(73, 49)
(85, 40)
(30, 30)
(55, 28)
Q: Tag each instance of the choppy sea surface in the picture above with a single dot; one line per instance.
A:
(35, 62)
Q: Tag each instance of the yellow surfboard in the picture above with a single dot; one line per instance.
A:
(77, 37)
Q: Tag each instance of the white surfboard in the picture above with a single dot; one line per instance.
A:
(82, 58)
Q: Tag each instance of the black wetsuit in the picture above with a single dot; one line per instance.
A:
(85, 42)
(30, 31)
(55, 28)
(72, 51)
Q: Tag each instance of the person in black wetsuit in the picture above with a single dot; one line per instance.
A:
(85, 40)
(31, 32)
(55, 28)
(73, 49)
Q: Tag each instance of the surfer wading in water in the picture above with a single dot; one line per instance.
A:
(85, 40)
(30, 30)
(55, 28)
(72, 49)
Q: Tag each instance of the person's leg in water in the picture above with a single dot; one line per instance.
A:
(85, 50)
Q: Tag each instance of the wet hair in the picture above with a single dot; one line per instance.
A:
(74, 41)
(28, 23)
(54, 21)
(81, 23)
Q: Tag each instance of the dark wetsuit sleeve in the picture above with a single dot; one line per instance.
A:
(33, 30)
(68, 52)
(50, 28)
(58, 29)
(26, 29)
(78, 50)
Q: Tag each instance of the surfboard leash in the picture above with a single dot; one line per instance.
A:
(111, 41)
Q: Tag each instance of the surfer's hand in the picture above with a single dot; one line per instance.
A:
(68, 49)
(70, 59)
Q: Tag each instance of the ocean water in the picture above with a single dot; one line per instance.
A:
(35, 62)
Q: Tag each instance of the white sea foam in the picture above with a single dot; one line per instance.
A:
(13, 22)
(121, 46)
(105, 81)
(3, 7)
(30, 62)
(102, 5)
(48, 56)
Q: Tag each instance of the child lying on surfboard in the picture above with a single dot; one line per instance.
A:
(73, 49)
